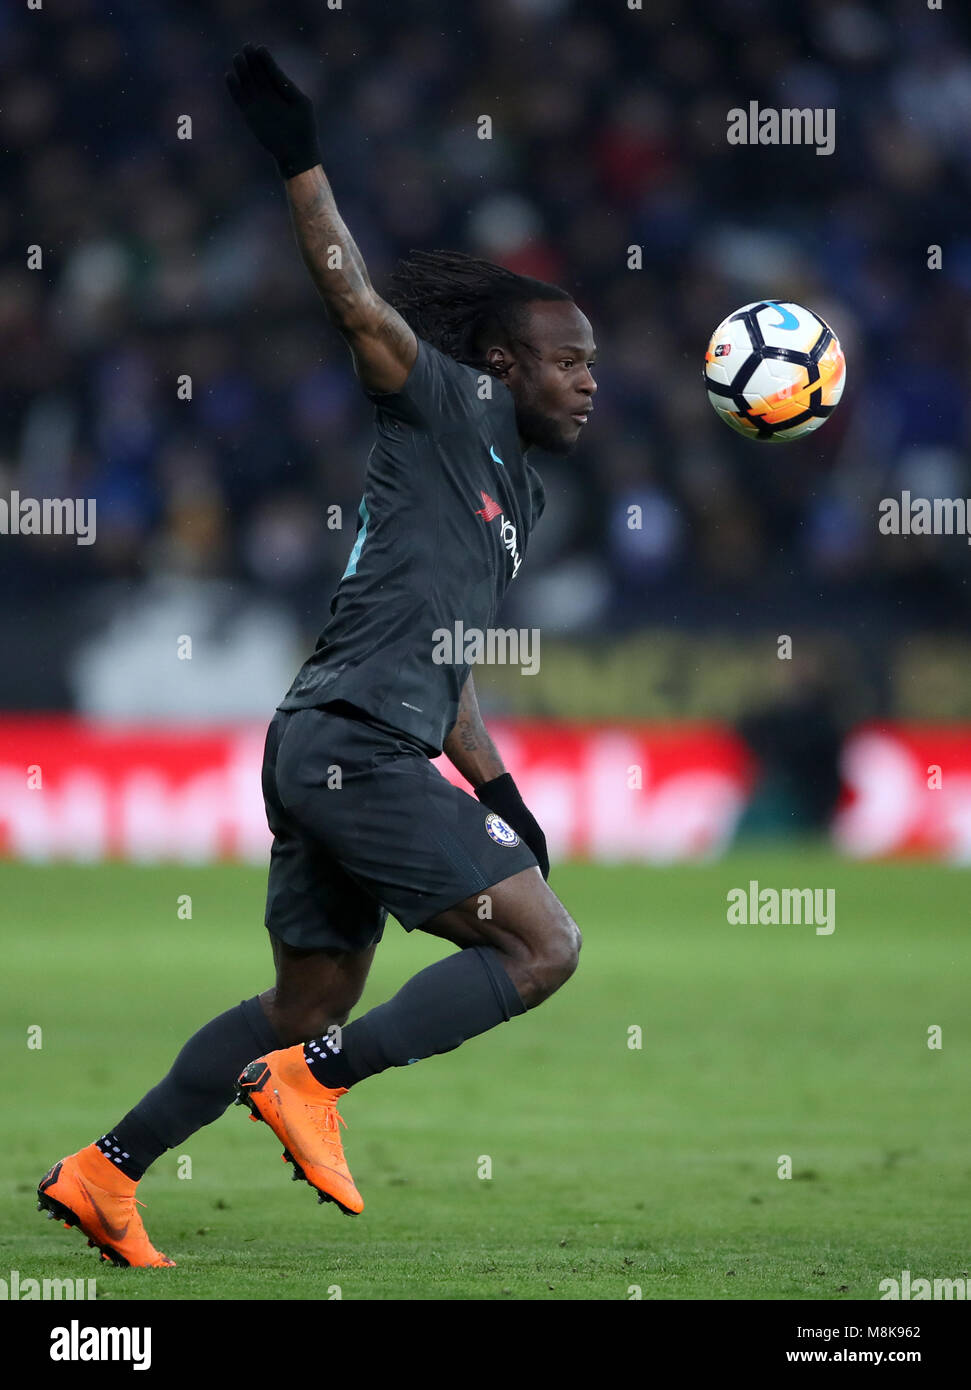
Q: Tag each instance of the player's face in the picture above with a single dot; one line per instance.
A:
(550, 375)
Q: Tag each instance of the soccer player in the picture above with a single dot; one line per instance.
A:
(469, 367)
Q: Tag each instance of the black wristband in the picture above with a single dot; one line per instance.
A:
(502, 796)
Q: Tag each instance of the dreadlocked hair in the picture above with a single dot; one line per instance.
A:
(453, 301)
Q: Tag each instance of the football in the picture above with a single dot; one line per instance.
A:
(774, 370)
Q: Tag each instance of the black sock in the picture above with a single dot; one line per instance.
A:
(121, 1149)
(196, 1091)
(436, 1011)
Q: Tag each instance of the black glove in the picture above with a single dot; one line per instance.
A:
(276, 111)
(502, 796)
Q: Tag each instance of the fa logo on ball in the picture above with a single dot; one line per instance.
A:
(502, 833)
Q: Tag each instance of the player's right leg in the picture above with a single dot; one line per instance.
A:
(95, 1188)
(327, 930)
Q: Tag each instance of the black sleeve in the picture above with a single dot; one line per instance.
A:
(439, 391)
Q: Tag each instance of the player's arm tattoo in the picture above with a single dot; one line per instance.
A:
(469, 746)
(383, 344)
(329, 251)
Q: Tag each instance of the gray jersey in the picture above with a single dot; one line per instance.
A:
(449, 504)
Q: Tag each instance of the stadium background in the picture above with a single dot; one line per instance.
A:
(165, 256)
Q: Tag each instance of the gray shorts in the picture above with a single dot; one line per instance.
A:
(364, 825)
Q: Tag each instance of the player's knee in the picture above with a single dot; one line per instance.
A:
(556, 959)
(567, 951)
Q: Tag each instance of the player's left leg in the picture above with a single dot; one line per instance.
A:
(511, 960)
(424, 849)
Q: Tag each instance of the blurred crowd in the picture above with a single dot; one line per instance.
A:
(165, 257)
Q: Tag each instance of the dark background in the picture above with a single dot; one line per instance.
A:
(165, 256)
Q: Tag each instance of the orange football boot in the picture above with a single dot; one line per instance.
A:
(281, 1090)
(87, 1190)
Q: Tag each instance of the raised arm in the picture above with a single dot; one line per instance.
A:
(383, 346)
(281, 117)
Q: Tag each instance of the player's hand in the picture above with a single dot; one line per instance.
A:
(276, 111)
(502, 796)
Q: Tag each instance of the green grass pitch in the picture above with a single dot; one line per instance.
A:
(612, 1167)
